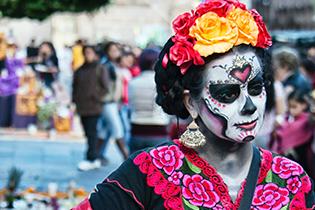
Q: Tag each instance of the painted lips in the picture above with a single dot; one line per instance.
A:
(247, 126)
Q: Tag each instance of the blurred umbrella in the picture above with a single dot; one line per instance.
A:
(40, 9)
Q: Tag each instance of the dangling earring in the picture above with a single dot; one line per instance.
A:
(192, 137)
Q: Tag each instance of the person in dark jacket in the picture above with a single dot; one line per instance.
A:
(89, 90)
(286, 64)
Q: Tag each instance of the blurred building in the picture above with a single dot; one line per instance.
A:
(286, 14)
(130, 21)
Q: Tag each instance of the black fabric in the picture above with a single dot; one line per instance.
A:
(251, 180)
(110, 195)
(89, 124)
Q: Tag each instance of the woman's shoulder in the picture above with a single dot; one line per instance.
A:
(280, 165)
(285, 177)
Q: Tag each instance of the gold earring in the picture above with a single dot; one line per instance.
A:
(192, 137)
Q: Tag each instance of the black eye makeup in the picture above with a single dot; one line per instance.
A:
(256, 85)
(225, 93)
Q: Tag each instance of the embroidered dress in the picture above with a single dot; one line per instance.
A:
(174, 177)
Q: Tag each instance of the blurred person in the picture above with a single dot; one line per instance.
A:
(125, 62)
(308, 70)
(32, 53)
(110, 124)
(9, 83)
(135, 69)
(90, 85)
(276, 107)
(49, 64)
(294, 136)
(77, 55)
(285, 61)
(32, 49)
(3, 47)
(149, 124)
(311, 52)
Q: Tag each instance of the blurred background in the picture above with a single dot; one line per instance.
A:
(56, 144)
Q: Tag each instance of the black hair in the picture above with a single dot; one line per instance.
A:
(108, 45)
(308, 65)
(53, 50)
(85, 47)
(170, 83)
(147, 58)
(298, 96)
(124, 54)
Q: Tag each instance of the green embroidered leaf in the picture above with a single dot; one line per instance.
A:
(285, 207)
(268, 178)
(193, 167)
(189, 206)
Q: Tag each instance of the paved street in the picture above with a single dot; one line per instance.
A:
(45, 161)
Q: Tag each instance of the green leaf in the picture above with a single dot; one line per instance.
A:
(193, 167)
(269, 177)
(285, 207)
(189, 206)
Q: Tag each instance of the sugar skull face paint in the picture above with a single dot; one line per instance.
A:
(234, 97)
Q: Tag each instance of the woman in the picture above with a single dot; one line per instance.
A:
(89, 87)
(48, 63)
(212, 70)
(149, 124)
(110, 124)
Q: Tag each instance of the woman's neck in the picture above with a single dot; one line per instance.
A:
(226, 156)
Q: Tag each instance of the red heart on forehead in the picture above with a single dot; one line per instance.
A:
(241, 74)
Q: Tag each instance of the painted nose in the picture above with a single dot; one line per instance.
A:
(249, 107)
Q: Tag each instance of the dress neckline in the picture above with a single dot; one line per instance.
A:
(211, 173)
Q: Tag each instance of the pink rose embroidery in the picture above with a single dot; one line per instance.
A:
(175, 177)
(168, 158)
(270, 196)
(294, 184)
(306, 184)
(286, 168)
(219, 207)
(199, 191)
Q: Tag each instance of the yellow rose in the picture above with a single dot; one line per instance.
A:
(214, 34)
(247, 27)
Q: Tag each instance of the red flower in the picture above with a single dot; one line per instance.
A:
(306, 184)
(298, 202)
(285, 168)
(171, 190)
(220, 7)
(174, 203)
(143, 160)
(182, 24)
(270, 196)
(238, 4)
(219, 207)
(183, 54)
(168, 158)
(199, 191)
(175, 177)
(264, 39)
(294, 184)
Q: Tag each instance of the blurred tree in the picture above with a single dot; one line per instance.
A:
(40, 9)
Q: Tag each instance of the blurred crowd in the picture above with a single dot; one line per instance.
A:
(111, 87)
(288, 127)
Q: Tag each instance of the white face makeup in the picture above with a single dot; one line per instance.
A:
(233, 100)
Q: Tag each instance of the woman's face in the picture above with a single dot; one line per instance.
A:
(113, 52)
(233, 100)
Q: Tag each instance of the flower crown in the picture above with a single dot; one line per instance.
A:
(215, 26)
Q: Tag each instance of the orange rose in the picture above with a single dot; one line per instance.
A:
(247, 27)
(213, 34)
